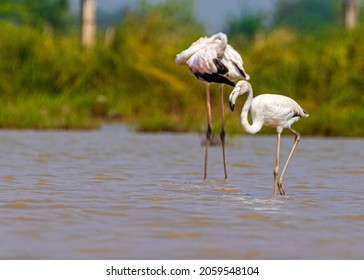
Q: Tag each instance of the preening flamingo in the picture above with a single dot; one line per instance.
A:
(272, 110)
(213, 60)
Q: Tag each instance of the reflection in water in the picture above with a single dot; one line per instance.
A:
(115, 194)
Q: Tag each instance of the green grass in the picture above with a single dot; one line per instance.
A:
(47, 112)
(47, 81)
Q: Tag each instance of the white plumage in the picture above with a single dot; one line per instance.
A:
(272, 110)
(212, 59)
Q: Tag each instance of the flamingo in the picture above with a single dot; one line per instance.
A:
(213, 60)
(272, 110)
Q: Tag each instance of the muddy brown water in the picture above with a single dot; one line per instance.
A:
(117, 194)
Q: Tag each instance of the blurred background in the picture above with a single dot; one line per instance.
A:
(81, 63)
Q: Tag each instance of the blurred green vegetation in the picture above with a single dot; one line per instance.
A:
(38, 13)
(308, 15)
(48, 81)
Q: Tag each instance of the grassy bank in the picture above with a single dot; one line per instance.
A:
(48, 81)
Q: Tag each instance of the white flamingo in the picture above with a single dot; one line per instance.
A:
(270, 110)
(213, 60)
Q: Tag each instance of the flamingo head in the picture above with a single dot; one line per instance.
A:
(240, 88)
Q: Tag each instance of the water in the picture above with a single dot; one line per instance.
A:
(117, 194)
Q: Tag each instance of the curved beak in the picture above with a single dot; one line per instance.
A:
(232, 98)
(232, 105)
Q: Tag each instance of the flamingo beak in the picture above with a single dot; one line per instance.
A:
(232, 105)
(232, 98)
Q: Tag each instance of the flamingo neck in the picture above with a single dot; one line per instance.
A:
(257, 123)
(222, 44)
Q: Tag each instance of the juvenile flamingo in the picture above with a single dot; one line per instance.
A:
(272, 110)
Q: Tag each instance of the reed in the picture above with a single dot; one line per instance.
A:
(48, 81)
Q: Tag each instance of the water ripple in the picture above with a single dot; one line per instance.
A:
(116, 194)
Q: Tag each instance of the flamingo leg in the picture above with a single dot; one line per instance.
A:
(296, 140)
(222, 133)
(209, 130)
(276, 168)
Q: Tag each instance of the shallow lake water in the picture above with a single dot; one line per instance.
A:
(117, 194)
